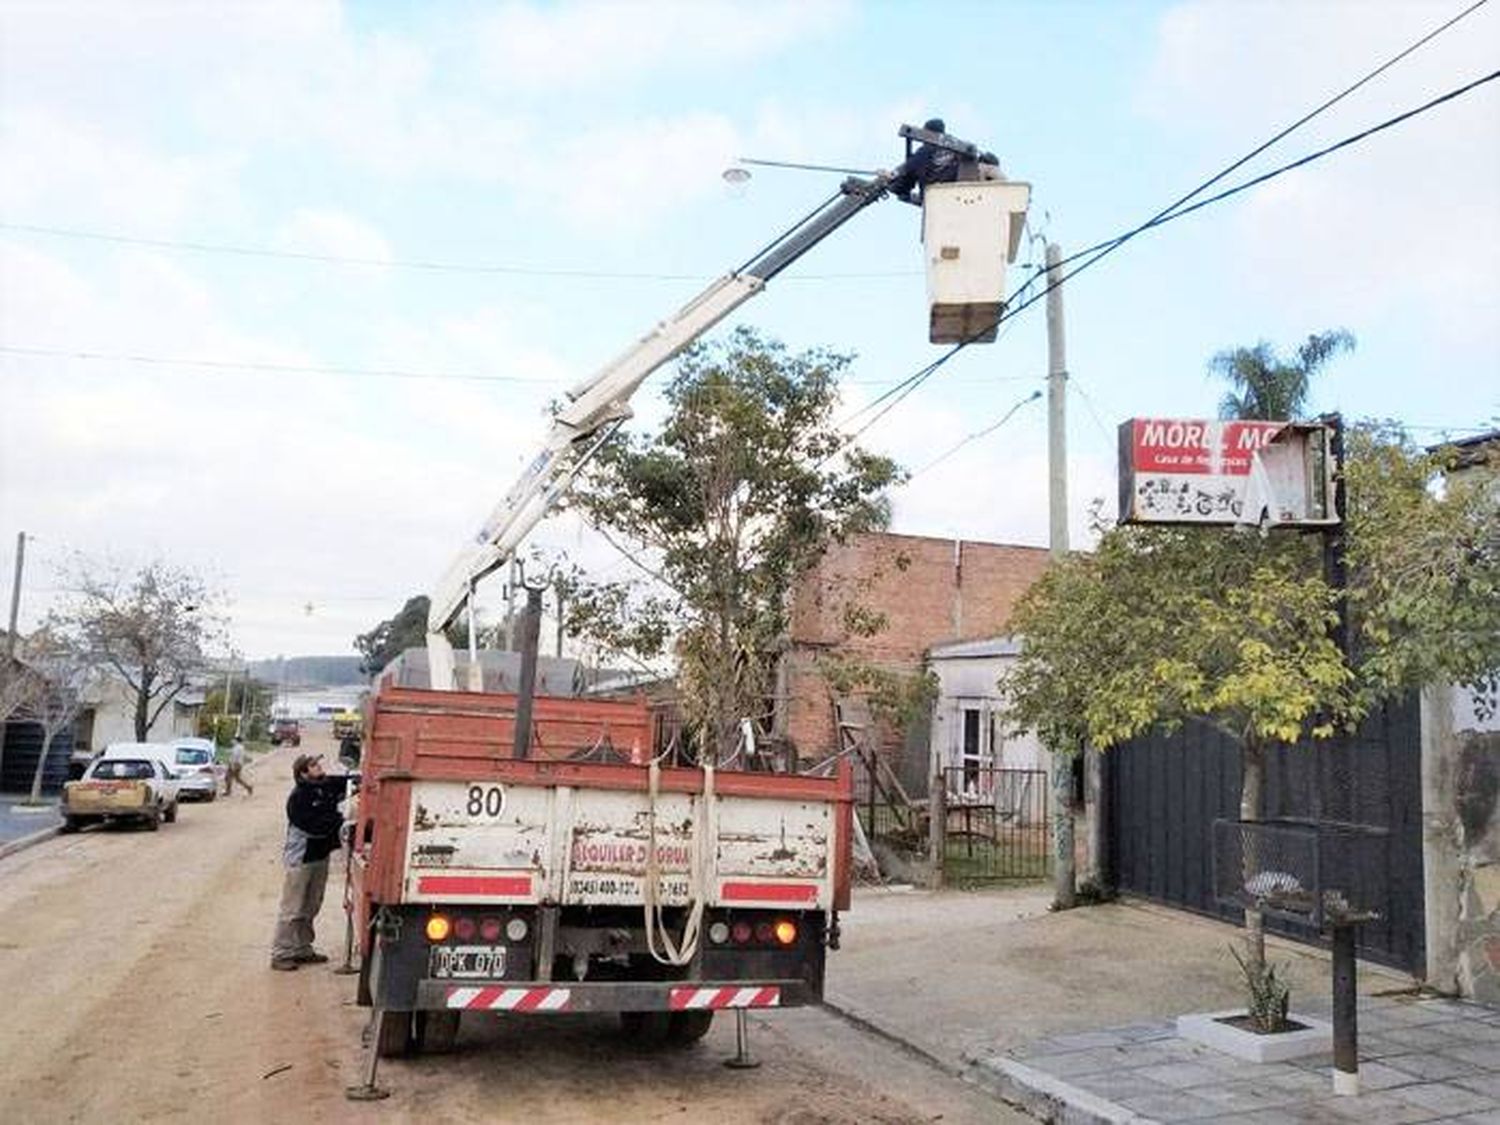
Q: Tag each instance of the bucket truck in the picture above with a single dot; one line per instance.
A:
(518, 854)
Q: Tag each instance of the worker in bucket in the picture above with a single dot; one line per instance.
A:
(933, 165)
(312, 834)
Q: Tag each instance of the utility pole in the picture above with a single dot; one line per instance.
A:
(1063, 868)
(15, 596)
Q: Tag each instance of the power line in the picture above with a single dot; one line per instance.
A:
(991, 428)
(312, 369)
(1111, 244)
(428, 266)
(278, 368)
(903, 389)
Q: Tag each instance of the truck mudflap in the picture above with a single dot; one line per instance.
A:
(611, 996)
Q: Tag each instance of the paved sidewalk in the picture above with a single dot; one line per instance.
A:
(1072, 1015)
(1420, 1060)
(15, 823)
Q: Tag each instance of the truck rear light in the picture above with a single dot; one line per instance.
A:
(463, 929)
(764, 933)
(741, 932)
(786, 931)
(516, 929)
(718, 932)
(438, 928)
(489, 929)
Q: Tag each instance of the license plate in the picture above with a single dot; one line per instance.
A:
(468, 961)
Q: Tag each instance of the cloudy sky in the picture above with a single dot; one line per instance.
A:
(285, 288)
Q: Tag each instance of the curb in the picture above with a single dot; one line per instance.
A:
(1044, 1096)
(971, 1071)
(31, 840)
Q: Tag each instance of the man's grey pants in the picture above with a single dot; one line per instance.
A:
(301, 898)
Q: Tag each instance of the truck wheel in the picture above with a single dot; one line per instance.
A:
(395, 1035)
(153, 820)
(649, 1029)
(436, 1031)
(685, 1028)
(71, 824)
(170, 816)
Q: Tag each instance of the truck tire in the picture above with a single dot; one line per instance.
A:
(71, 824)
(170, 816)
(395, 1035)
(686, 1028)
(436, 1031)
(153, 820)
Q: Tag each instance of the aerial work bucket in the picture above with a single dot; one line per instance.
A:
(970, 231)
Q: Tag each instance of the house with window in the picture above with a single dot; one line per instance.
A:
(983, 762)
(926, 593)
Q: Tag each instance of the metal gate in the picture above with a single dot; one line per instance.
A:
(996, 824)
(1163, 793)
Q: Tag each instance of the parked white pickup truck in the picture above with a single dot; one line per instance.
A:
(118, 788)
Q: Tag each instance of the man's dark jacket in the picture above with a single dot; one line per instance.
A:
(313, 819)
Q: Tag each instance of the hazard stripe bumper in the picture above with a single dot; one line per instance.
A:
(573, 996)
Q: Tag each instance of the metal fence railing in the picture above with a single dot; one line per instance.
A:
(995, 824)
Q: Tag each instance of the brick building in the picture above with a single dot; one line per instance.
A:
(930, 591)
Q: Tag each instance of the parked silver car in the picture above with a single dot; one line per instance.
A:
(197, 773)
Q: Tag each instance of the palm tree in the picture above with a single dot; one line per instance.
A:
(1268, 386)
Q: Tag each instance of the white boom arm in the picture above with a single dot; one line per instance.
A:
(602, 402)
(597, 406)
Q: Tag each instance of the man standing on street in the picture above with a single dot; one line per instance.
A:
(312, 834)
(235, 770)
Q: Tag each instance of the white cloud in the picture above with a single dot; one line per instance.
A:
(1387, 229)
(330, 491)
(601, 43)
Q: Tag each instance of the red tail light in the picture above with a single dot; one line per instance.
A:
(463, 929)
(489, 929)
(740, 933)
(765, 933)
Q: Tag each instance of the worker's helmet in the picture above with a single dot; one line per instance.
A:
(935, 125)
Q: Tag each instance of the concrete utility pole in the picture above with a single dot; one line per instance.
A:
(1063, 873)
(15, 595)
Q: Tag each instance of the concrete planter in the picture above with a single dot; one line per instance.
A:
(1315, 1037)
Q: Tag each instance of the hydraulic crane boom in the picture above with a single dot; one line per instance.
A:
(598, 405)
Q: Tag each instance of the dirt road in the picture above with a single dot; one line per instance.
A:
(133, 967)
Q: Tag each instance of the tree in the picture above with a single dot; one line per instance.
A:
(1161, 624)
(407, 628)
(1271, 387)
(62, 671)
(151, 626)
(737, 494)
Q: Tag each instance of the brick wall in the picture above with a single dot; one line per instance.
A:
(930, 591)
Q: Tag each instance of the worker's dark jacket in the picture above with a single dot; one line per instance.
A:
(928, 165)
(313, 820)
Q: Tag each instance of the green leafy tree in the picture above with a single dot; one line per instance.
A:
(737, 494)
(1161, 624)
(1269, 386)
(406, 628)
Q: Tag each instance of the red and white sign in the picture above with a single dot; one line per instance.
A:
(1187, 470)
(496, 999)
(686, 999)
